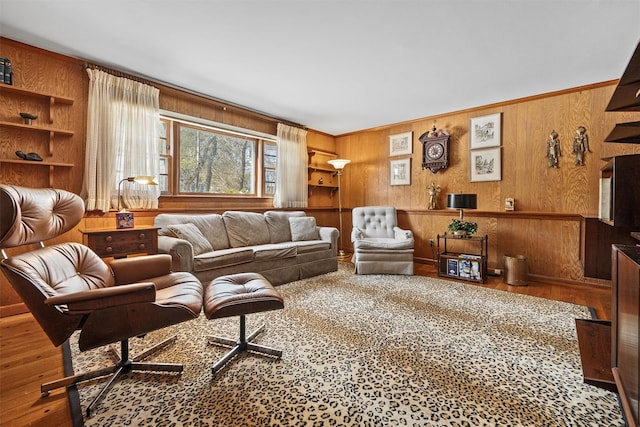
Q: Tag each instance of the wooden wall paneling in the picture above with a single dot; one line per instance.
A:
(554, 245)
(583, 180)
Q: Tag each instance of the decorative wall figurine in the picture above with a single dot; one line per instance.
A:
(553, 149)
(434, 190)
(580, 144)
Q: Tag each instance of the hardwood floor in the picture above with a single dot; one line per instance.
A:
(28, 358)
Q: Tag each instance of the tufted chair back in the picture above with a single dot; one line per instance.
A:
(375, 221)
(33, 215)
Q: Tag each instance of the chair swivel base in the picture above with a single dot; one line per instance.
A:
(121, 367)
(243, 344)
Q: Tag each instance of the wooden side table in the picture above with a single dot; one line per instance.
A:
(118, 243)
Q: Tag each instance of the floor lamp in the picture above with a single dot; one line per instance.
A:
(339, 164)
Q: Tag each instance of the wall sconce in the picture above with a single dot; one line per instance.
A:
(462, 201)
(124, 218)
(339, 164)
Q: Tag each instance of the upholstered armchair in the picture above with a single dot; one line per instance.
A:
(68, 288)
(379, 245)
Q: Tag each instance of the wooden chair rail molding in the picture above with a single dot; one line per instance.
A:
(553, 216)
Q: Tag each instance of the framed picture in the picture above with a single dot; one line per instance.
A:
(484, 132)
(400, 171)
(401, 143)
(485, 165)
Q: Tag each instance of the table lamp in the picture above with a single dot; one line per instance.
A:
(124, 218)
(461, 202)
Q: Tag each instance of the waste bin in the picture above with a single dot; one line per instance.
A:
(515, 270)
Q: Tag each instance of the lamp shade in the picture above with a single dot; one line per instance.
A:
(143, 179)
(462, 201)
(339, 163)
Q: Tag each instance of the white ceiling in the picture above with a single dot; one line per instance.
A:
(342, 65)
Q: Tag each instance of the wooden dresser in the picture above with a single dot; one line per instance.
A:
(118, 243)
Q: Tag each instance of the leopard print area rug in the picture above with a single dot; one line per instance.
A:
(369, 351)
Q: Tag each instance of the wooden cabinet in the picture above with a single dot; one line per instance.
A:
(620, 191)
(609, 350)
(118, 243)
(54, 133)
(463, 258)
(625, 327)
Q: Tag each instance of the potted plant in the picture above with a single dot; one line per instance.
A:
(462, 228)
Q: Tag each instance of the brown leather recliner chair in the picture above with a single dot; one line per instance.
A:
(67, 287)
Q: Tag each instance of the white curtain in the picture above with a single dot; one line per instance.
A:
(122, 141)
(291, 170)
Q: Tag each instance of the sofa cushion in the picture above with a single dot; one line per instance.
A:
(278, 224)
(246, 228)
(383, 243)
(222, 258)
(303, 228)
(191, 234)
(210, 225)
(274, 251)
(308, 246)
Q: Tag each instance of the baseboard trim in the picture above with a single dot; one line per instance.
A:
(13, 309)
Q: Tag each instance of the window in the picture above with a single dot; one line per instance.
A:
(269, 161)
(210, 160)
(164, 148)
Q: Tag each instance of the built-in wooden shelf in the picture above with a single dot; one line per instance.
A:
(51, 165)
(313, 151)
(52, 132)
(35, 93)
(322, 171)
(53, 99)
(625, 133)
(32, 128)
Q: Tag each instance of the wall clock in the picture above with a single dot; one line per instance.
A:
(435, 149)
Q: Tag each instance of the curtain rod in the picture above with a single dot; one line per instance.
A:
(150, 82)
(117, 73)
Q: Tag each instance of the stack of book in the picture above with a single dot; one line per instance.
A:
(469, 266)
(6, 74)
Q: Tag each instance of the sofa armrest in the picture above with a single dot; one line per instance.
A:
(400, 234)
(329, 234)
(356, 234)
(180, 250)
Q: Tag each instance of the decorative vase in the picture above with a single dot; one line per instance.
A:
(460, 233)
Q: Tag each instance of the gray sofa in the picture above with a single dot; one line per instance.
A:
(283, 246)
